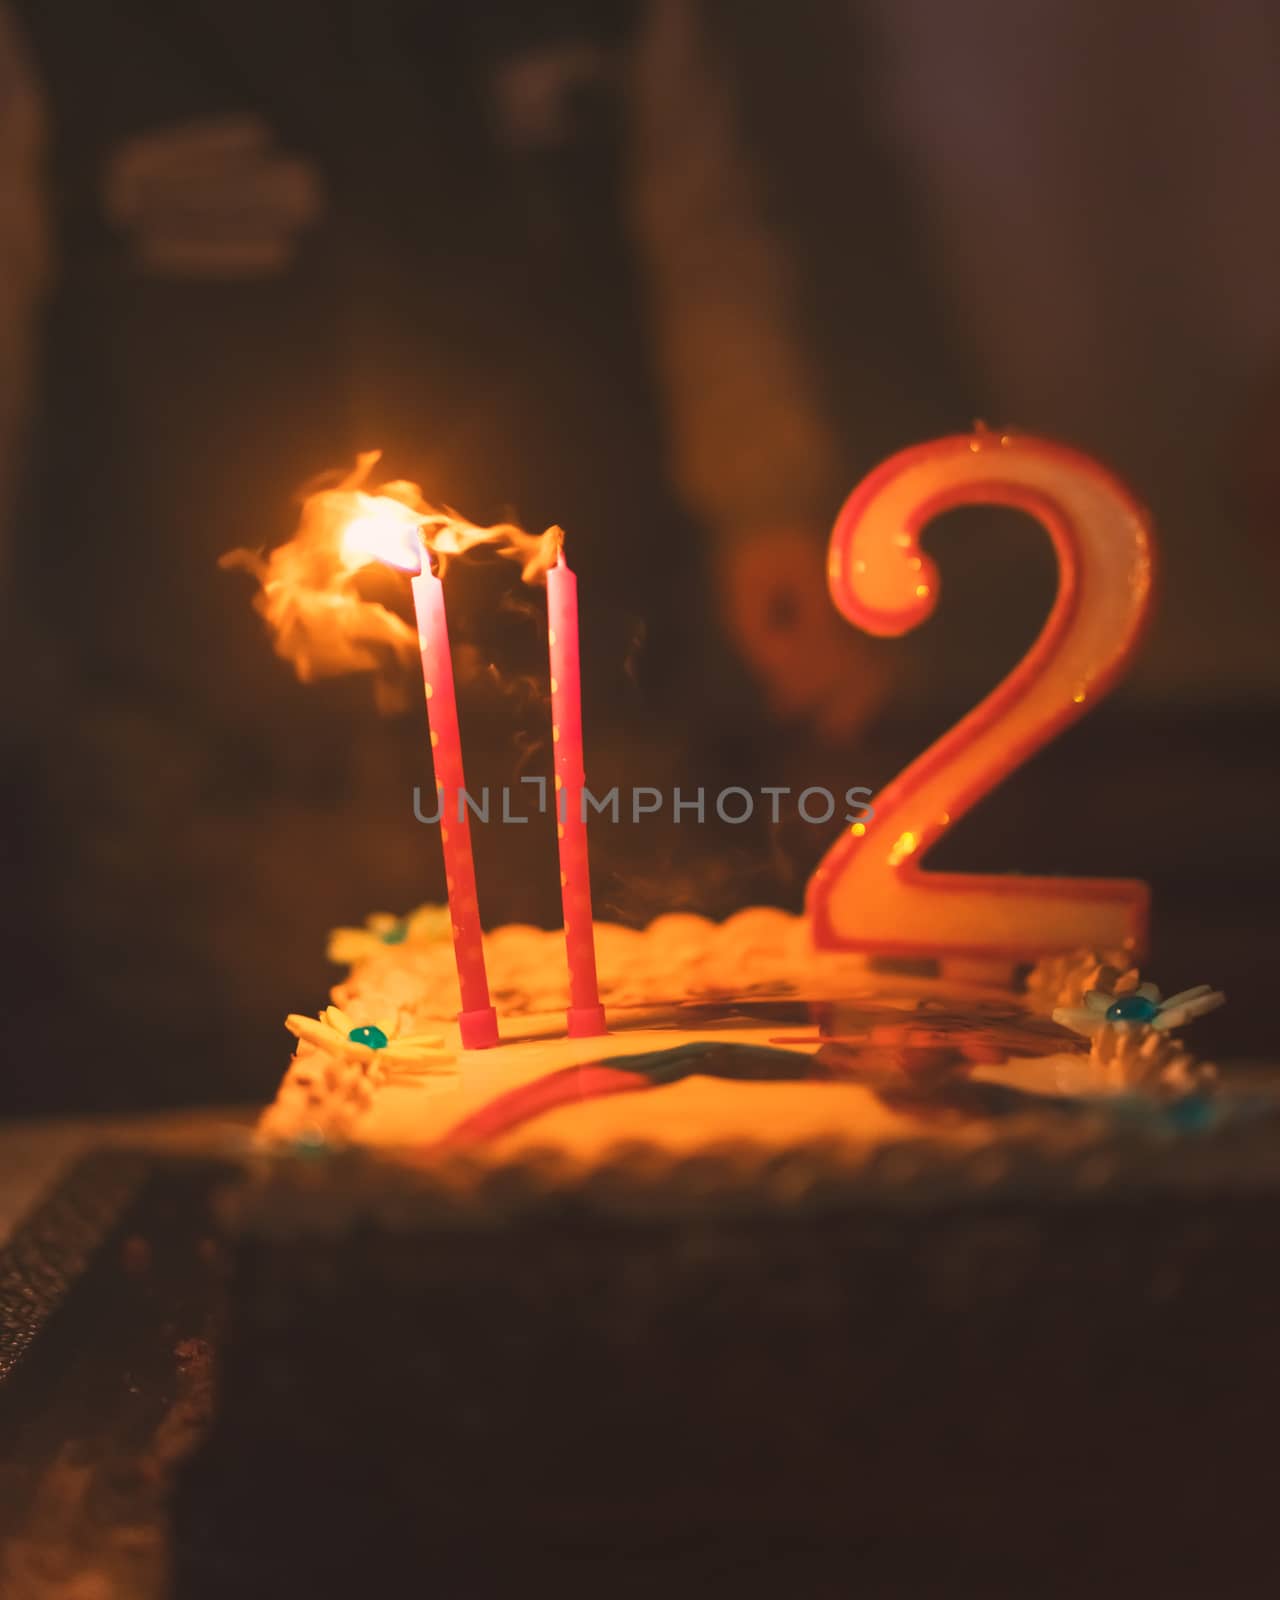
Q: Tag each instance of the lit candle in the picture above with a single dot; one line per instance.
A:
(388, 531)
(585, 1015)
(477, 1021)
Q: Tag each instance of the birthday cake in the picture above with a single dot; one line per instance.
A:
(769, 1028)
(814, 1269)
(892, 1246)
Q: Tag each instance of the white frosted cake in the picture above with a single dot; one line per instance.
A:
(738, 1032)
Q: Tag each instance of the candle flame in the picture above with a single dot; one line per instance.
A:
(310, 590)
(383, 530)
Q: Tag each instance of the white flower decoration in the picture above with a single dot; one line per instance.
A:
(1141, 1007)
(372, 1044)
(1124, 1058)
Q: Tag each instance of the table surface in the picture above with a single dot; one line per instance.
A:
(35, 1154)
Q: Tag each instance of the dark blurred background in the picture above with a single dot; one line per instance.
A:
(675, 274)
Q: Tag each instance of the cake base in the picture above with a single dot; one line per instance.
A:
(1030, 1371)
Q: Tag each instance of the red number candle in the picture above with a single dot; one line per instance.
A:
(477, 1020)
(869, 893)
(585, 1015)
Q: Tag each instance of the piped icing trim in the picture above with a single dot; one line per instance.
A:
(1064, 980)
(425, 925)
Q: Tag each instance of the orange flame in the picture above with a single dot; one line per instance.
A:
(308, 588)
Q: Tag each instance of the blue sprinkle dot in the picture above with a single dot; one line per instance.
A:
(370, 1034)
(1133, 1008)
(1192, 1114)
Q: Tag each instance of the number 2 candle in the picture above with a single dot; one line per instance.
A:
(869, 893)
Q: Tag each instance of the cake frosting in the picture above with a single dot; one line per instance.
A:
(738, 1031)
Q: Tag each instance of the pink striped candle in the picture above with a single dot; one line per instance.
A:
(585, 1016)
(477, 1020)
